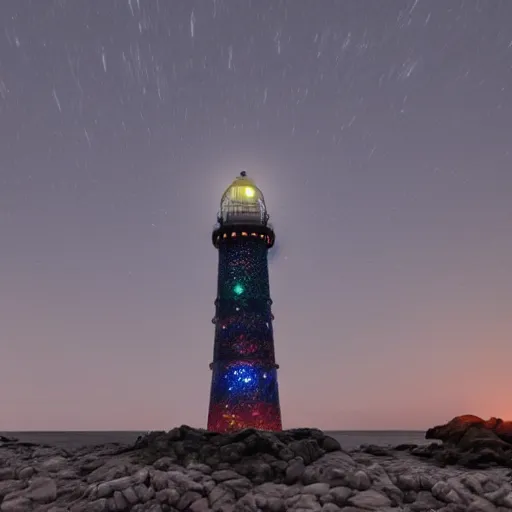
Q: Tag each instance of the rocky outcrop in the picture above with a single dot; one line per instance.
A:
(185, 445)
(453, 431)
(467, 441)
(192, 470)
(472, 442)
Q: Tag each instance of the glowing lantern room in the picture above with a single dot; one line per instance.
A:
(243, 203)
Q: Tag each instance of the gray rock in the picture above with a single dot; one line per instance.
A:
(168, 496)
(19, 504)
(329, 444)
(224, 474)
(359, 480)
(291, 491)
(26, 473)
(44, 452)
(279, 467)
(164, 463)
(318, 489)
(143, 492)
(90, 463)
(98, 506)
(506, 501)
(183, 482)
(330, 507)
(102, 490)
(187, 499)
(286, 454)
(275, 504)
(453, 507)
(496, 496)
(201, 468)
(159, 480)
(232, 452)
(335, 477)
(130, 496)
(226, 508)
(312, 475)
(303, 501)
(426, 482)
(308, 449)
(370, 500)
(7, 474)
(119, 484)
(425, 501)
(69, 491)
(408, 482)
(208, 485)
(260, 501)
(454, 497)
(140, 476)
(473, 484)
(67, 474)
(340, 495)
(106, 472)
(239, 487)
(111, 505)
(78, 507)
(443, 491)
(259, 472)
(10, 486)
(490, 486)
(42, 490)
(247, 504)
(410, 496)
(120, 501)
(481, 505)
(55, 464)
(294, 471)
(219, 496)
(200, 505)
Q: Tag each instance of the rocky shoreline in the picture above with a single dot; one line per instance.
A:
(193, 470)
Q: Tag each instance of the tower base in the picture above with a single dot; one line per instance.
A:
(260, 416)
(244, 395)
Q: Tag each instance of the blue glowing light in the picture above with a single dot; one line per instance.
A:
(243, 377)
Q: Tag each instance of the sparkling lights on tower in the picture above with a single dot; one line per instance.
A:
(244, 391)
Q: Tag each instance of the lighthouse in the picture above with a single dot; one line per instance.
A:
(244, 390)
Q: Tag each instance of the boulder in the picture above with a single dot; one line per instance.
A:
(453, 431)
(469, 441)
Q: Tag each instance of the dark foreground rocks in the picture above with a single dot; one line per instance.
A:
(240, 450)
(193, 470)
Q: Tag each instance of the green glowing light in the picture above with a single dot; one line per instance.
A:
(238, 289)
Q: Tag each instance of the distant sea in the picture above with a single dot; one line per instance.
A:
(349, 439)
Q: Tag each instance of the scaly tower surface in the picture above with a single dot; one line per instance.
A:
(244, 391)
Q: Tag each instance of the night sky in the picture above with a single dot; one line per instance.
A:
(380, 133)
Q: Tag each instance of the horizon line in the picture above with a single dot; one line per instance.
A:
(164, 430)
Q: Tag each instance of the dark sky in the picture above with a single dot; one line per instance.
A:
(380, 133)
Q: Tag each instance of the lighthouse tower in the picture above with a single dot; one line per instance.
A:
(244, 391)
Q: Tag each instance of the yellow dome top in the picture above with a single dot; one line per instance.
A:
(243, 201)
(243, 189)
